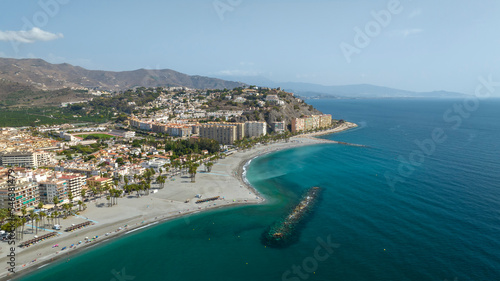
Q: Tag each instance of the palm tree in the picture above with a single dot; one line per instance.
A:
(32, 217)
(107, 198)
(161, 180)
(80, 203)
(94, 192)
(192, 171)
(15, 225)
(40, 205)
(65, 208)
(106, 188)
(55, 217)
(42, 215)
(37, 219)
(138, 187)
(23, 221)
(4, 214)
(82, 193)
(70, 196)
(50, 218)
(118, 195)
(24, 211)
(209, 166)
(56, 201)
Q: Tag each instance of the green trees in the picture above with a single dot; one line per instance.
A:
(183, 147)
(37, 219)
(23, 211)
(42, 215)
(55, 200)
(113, 196)
(70, 196)
(161, 180)
(32, 218)
(192, 171)
(4, 214)
(209, 166)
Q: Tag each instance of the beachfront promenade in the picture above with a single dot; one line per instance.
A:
(134, 212)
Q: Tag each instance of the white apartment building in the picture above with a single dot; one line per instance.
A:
(255, 129)
(25, 159)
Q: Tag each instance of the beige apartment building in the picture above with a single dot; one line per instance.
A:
(223, 133)
(75, 183)
(25, 194)
(311, 122)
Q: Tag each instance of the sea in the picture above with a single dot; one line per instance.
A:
(420, 200)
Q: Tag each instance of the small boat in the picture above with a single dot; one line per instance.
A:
(63, 249)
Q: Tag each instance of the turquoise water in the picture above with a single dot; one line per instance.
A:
(440, 221)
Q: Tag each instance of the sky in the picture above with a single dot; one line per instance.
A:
(412, 45)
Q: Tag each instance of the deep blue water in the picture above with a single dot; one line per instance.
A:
(437, 218)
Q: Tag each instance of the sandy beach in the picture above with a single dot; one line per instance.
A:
(132, 212)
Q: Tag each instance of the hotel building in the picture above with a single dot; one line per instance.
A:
(311, 122)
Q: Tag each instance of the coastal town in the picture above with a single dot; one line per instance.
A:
(179, 153)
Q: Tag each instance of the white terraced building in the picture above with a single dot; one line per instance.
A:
(25, 159)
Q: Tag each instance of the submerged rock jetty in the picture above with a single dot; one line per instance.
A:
(285, 231)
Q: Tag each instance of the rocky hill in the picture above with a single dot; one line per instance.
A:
(291, 107)
(41, 75)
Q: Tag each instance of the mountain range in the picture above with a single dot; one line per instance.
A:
(37, 75)
(308, 90)
(41, 75)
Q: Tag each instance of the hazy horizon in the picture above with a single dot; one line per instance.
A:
(416, 46)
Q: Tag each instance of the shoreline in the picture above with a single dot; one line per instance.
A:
(33, 260)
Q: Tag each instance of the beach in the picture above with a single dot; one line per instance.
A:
(226, 180)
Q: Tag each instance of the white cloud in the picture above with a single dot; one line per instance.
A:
(406, 32)
(29, 36)
(415, 13)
